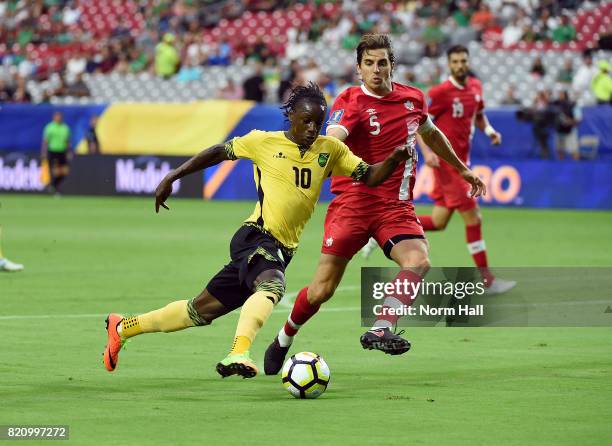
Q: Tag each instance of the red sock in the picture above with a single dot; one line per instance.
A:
(427, 223)
(396, 300)
(478, 250)
(301, 312)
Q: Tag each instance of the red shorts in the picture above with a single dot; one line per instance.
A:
(352, 218)
(451, 190)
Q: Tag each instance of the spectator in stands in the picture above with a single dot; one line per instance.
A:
(565, 31)
(602, 84)
(537, 68)
(6, 92)
(482, 19)
(462, 14)
(566, 73)
(352, 38)
(512, 33)
(78, 88)
(253, 86)
(568, 115)
(584, 75)
(105, 60)
(189, 72)
(76, 65)
(167, 58)
(222, 55)
(510, 97)
(231, 90)
(93, 145)
(21, 94)
(432, 37)
(287, 79)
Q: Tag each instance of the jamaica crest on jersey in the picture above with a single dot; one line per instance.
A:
(323, 158)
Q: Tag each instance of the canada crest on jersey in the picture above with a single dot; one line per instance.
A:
(323, 158)
(409, 105)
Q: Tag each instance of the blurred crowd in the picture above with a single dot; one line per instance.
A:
(172, 43)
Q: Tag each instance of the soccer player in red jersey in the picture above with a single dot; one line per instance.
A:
(368, 118)
(456, 105)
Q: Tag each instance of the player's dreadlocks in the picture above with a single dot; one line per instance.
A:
(310, 92)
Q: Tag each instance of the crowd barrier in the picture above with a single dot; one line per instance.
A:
(139, 141)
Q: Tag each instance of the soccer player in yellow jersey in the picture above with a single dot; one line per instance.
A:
(289, 169)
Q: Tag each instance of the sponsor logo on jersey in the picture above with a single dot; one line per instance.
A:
(323, 158)
(279, 155)
(335, 117)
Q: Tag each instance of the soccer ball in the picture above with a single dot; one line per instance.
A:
(305, 375)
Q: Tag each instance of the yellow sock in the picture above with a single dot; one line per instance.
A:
(255, 312)
(130, 326)
(173, 317)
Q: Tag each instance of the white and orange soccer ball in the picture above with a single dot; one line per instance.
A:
(305, 375)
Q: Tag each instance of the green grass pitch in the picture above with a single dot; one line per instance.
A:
(86, 257)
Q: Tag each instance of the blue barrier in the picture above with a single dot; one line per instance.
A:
(538, 184)
(21, 125)
(21, 128)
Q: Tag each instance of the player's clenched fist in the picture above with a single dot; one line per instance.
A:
(404, 153)
(478, 187)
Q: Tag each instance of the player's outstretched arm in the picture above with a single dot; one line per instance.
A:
(379, 172)
(206, 158)
(436, 140)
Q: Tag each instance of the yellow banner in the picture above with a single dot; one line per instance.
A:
(167, 129)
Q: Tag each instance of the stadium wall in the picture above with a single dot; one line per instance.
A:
(513, 176)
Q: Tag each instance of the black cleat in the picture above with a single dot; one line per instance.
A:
(385, 340)
(274, 357)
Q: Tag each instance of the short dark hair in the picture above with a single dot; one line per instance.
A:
(310, 92)
(456, 49)
(375, 42)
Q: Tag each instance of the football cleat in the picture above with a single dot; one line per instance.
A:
(385, 340)
(11, 267)
(499, 286)
(237, 364)
(274, 357)
(114, 344)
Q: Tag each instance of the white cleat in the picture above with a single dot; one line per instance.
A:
(12, 267)
(500, 286)
(369, 247)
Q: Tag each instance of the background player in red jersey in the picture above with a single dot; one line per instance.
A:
(456, 106)
(368, 118)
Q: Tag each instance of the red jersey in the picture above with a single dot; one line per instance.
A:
(376, 125)
(454, 108)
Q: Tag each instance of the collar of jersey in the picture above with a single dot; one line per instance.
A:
(369, 93)
(455, 83)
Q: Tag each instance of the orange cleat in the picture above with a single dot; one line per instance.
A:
(115, 343)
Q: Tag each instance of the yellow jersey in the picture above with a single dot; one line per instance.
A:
(288, 181)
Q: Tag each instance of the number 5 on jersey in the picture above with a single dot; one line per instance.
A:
(374, 123)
